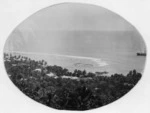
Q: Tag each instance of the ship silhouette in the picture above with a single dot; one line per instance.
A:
(141, 53)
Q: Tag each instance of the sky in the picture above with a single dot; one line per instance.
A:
(75, 16)
(73, 28)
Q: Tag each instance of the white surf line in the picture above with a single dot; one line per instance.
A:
(97, 60)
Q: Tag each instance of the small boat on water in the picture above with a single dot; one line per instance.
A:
(141, 53)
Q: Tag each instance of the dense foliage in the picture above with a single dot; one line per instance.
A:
(87, 91)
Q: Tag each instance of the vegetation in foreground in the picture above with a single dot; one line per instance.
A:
(58, 88)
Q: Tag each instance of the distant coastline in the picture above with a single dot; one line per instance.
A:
(112, 64)
(96, 60)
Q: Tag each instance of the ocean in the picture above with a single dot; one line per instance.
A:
(93, 51)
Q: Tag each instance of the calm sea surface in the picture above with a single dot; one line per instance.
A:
(114, 52)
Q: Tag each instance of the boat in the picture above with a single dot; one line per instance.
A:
(141, 53)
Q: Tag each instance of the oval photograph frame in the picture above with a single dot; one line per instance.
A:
(74, 56)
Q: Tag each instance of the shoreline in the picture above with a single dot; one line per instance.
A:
(111, 65)
(98, 61)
